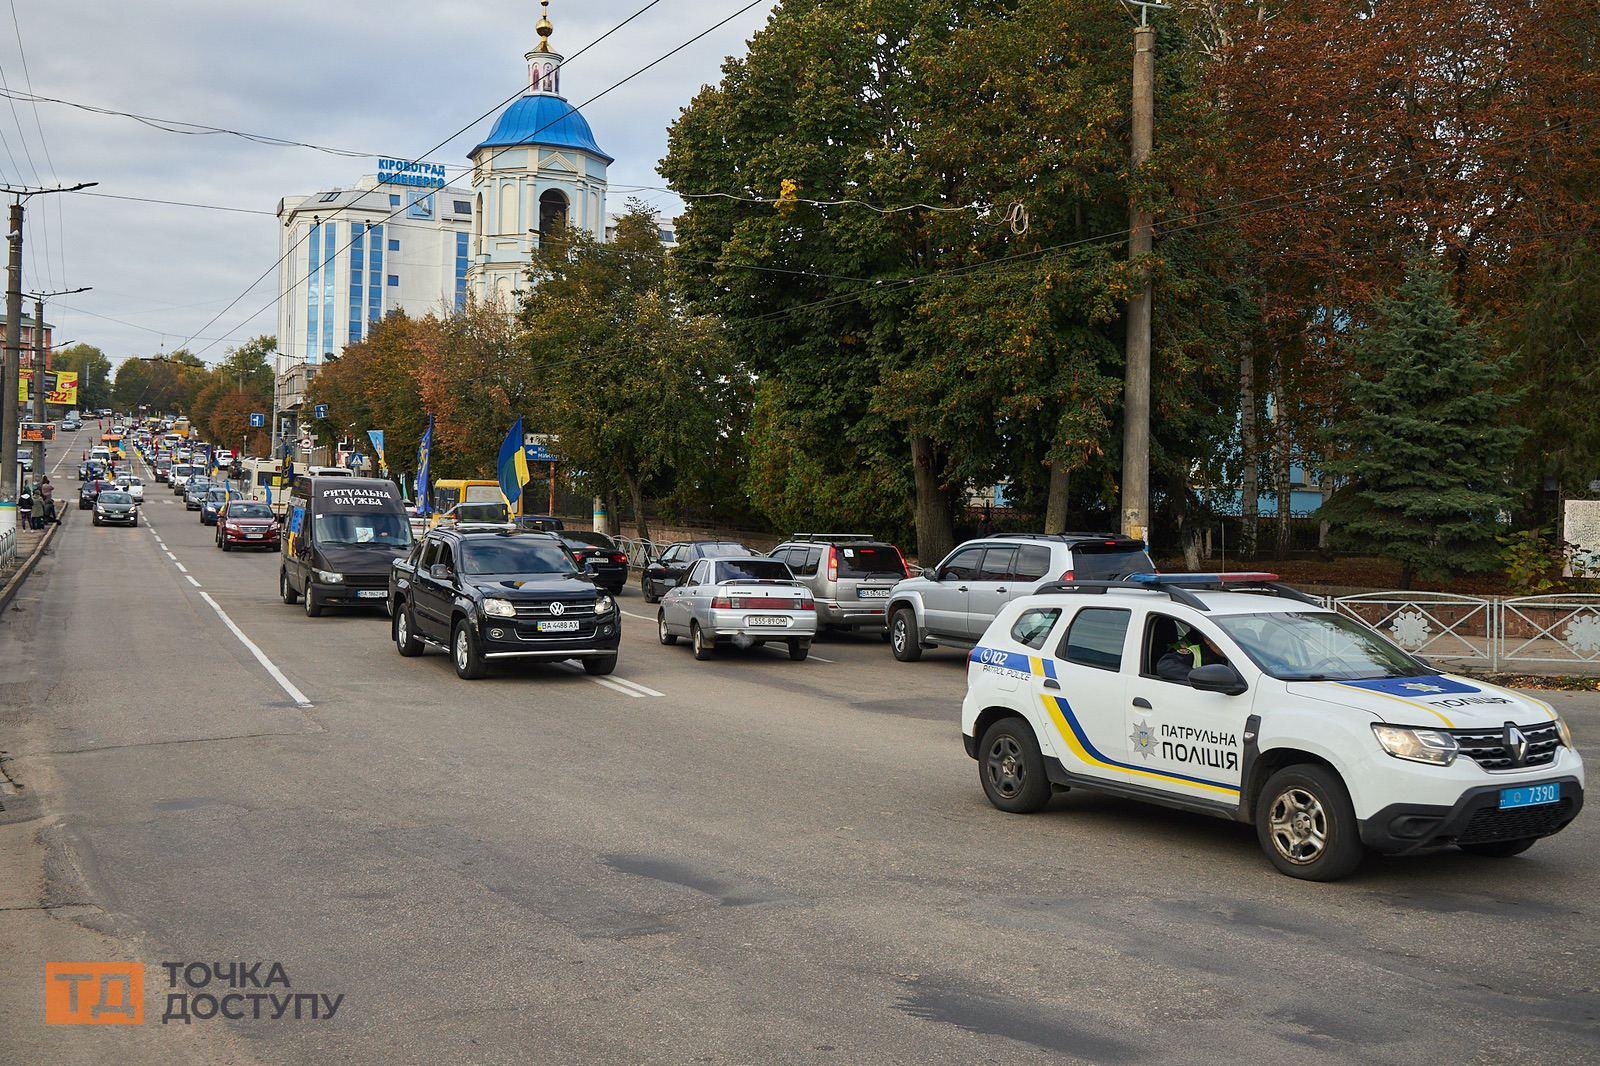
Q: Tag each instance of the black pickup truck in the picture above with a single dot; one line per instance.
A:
(487, 593)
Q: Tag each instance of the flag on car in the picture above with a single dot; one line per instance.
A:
(376, 436)
(513, 464)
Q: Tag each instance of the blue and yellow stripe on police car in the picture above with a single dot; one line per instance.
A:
(1010, 660)
(1079, 744)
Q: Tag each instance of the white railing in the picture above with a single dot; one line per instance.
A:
(641, 553)
(1557, 628)
(1435, 625)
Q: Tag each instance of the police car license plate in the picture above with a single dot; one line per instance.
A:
(1529, 796)
(565, 626)
(872, 594)
(768, 620)
(372, 594)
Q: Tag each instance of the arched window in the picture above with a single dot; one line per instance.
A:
(477, 226)
(552, 216)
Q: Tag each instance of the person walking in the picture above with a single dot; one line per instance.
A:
(47, 502)
(25, 507)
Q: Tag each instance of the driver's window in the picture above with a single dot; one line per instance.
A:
(963, 565)
(430, 554)
(446, 557)
(1173, 647)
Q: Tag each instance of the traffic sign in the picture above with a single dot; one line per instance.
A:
(305, 444)
(321, 410)
(258, 419)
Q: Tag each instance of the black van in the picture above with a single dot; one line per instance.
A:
(340, 537)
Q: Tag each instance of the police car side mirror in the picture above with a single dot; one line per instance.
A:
(1217, 677)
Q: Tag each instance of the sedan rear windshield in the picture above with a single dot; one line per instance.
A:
(870, 560)
(511, 555)
(583, 536)
(1116, 559)
(753, 570)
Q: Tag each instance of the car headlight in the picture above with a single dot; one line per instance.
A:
(328, 577)
(1564, 731)
(604, 604)
(1431, 746)
(499, 609)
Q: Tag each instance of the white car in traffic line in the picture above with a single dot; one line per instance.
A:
(1234, 696)
(742, 601)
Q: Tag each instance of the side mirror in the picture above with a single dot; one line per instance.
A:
(439, 572)
(1217, 677)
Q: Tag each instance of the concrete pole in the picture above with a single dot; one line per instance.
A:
(13, 369)
(40, 356)
(1136, 385)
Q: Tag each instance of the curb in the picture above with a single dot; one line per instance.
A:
(14, 586)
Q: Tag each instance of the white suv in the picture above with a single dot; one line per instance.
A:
(1234, 696)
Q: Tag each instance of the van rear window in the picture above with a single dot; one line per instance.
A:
(870, 560)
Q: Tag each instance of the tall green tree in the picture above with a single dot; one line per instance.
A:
(93, 370)
(1426, 453)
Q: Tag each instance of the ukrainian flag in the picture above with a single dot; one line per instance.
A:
(513, 464)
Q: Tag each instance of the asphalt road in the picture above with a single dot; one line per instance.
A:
(768, 861)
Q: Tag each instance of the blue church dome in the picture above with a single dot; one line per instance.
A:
(543, 120)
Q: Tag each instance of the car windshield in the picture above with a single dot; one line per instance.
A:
(753, 570)
(513, 555)
(115, 497)
(1318, 646)
(249, 510)
(216, 495)
(351, 528)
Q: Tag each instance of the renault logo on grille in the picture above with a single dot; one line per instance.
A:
(1516, 744)
(558, 609)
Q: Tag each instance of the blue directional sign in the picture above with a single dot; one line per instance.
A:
(321, 410)
(538, 453)
(258, 419)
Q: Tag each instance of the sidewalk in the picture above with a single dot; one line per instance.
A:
(11, 578)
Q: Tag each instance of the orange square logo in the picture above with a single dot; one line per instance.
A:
(94, 993)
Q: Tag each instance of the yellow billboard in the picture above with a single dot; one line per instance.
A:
(63, 386)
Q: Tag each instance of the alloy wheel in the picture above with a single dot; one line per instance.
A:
(461, 649)
(1005, 767)
(1298, 826)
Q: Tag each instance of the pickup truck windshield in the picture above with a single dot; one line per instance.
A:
(513, 556)
(355, 528)
(1294, 646)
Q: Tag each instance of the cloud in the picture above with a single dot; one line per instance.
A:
(384, 76)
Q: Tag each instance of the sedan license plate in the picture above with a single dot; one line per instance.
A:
(768, 620)
(1529, 796)
(872, 594)
(564, 626)
(372, 594)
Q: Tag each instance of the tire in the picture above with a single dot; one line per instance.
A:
(600, 666)
(1500, 849)
(662, 634)
(644, 587)
(1011, 769)
(285, 590)
(313, 608)
(95, 521)
(1306, 824)
(464, 652)
(799, 649)
(222, 542)
(405, 638)
(703, 649)
(904, 639)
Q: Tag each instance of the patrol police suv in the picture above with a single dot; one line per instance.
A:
(1235, 696)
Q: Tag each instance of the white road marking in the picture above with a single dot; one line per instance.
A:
(820, 659)
(174, 558)
(261, 656)
(613, 686)
(640, 617)
(192, 581)
(645, 690)
(181, 568)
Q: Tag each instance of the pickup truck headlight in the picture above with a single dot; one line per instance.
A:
(328, 577)
(604, 604)
(1564, 731)
(499, 609)
(1430, 746)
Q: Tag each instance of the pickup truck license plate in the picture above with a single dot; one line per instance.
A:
(372, 594)
(565, 626)
(768, 620)
(1529, 796)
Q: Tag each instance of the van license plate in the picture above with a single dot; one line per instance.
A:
(565, 626)
(1529, 796)
(372, 594)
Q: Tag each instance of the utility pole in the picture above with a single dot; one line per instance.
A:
(41, 364)
(10, 423)
(1136, 383)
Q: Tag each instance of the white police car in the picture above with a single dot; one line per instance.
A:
(1235, 696)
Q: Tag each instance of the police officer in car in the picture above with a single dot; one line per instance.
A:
(1192, 649)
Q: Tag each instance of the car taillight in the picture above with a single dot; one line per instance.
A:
(833, 563)
(1067, 576)
(619, 558)
(808, 605)
(904, 569)
(721, 603)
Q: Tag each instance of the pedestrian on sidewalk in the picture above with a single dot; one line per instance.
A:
(47, 502)
(25, 508)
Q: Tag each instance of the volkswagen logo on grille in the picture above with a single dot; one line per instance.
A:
(1516, 744)
(559, 609)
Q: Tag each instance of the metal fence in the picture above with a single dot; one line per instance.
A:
(1493, 631)
(8, 548)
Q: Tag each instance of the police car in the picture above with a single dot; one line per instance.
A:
(1232, 695)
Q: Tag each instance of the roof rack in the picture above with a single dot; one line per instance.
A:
(831, 536)
(1182, 587)
(1064, 537)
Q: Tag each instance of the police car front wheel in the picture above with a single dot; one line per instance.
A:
(1307, 825)
(1011, 767)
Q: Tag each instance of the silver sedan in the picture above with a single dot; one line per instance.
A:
(740, 601)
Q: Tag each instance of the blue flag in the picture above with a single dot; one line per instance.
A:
(513, 464)
(424, 453)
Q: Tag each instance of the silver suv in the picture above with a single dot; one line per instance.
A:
(849, 575)
(953, 603)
